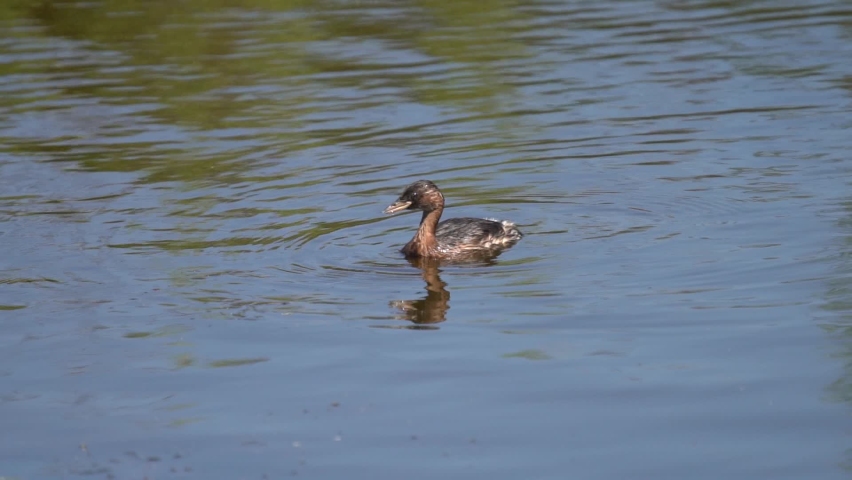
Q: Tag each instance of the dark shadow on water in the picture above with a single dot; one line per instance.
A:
(433, 307)
(430, 310)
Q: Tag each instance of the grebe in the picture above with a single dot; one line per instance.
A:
(456, 237)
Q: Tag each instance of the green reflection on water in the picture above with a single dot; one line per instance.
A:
(163, 332)
(236, 362)
(260, 67)
(183, 360)
(180, 422)
(533, 354)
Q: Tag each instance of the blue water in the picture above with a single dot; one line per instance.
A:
(198, 281)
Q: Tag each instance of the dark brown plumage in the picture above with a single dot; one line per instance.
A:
(456, 237)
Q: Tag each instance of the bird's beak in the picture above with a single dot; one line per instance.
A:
(397, 206)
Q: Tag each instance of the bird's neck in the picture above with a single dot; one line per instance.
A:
(424, 241)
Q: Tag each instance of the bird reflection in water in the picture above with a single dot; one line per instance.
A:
(425, 312)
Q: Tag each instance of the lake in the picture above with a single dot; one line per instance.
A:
(197, 280)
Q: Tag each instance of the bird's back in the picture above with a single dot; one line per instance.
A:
(466, 234)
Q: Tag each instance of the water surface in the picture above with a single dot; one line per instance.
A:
(198, 281)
